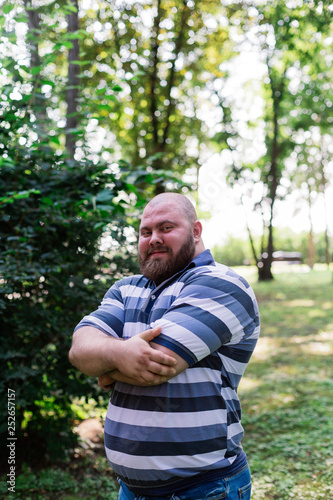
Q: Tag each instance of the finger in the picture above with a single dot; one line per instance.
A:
(163, 370)
(150, 334)
(162, 358)
(150, 378)
(106, 387)
(105, 382)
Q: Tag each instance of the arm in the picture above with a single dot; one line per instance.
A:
(94, 354)
(107, 379)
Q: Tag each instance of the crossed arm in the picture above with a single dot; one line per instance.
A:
(136, 361)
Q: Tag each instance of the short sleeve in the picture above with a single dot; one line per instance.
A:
(109, 317)
(210, 311)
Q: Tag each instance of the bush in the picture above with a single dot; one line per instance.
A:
(51, 220)
(235, 252)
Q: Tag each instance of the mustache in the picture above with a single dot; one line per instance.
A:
(159, 249)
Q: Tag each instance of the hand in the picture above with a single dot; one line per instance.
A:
(139, 363)
(106, 381)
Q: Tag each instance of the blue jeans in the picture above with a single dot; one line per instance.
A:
(237, 487)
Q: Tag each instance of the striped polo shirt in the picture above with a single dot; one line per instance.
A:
(167, 434)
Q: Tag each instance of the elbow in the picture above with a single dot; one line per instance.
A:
(72, 356)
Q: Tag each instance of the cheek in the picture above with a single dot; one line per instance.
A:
(174, 242)
(143, 245)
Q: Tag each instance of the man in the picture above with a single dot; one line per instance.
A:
(173, 343)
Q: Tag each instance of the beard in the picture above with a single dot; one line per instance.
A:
(160, 270)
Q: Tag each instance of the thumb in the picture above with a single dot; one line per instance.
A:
(150, 334)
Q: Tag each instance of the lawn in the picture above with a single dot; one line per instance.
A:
(286, 395)
(287, 391)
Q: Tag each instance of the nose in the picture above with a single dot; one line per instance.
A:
(155, 238)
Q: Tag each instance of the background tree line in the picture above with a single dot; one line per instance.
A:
(237, 251)
(103, 105)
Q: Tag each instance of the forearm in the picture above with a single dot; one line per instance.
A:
(107, 379)
(93, 352)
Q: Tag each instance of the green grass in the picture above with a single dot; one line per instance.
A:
(287, 391)
(286, 395)
(90, 478)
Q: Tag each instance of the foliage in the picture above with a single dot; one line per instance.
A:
(52, 219)
(56, 213)
(237, 252)
(294, 46)
(166, 56)
(56, 483)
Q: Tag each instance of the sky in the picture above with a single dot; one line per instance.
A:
(228, 216)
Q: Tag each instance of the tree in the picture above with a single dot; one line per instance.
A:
(163, 53)
(309, 176)
(54, 212)
(288, 42)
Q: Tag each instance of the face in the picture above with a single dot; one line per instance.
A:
(167, 242)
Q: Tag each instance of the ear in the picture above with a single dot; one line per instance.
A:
(197, 231)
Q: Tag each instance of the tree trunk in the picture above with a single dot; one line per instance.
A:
(38, 102)
(323, 182)
(72, 91)
(265, 271)
(178, 47)
(253, 249)
(311, 249)
(265, 265)
(154, 67)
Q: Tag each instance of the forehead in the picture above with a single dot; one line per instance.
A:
(157, 214)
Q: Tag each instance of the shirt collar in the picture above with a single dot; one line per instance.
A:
(204, 258)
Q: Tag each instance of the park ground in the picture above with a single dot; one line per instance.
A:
(286, 395)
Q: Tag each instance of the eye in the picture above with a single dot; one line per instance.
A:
(145, 233)
(167, 228)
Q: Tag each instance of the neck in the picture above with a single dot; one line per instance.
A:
(199, 248)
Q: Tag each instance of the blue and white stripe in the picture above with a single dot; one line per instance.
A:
(157, 435)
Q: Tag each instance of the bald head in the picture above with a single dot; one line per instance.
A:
(179, 201)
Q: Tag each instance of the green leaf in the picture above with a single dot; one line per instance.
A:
(11, 197)
(55, 140)
(21, 18)
(25, 68)
(117, 88)
(71, 7)
(110, 97)
(68, 44)
(101, 91)
(105, 107)
(80, 63)
(105, 195)
(138, 73)
(35, 70)
(8, 8)
(47, 82)
(46, 201)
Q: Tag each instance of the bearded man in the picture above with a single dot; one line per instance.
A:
(173, 344)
